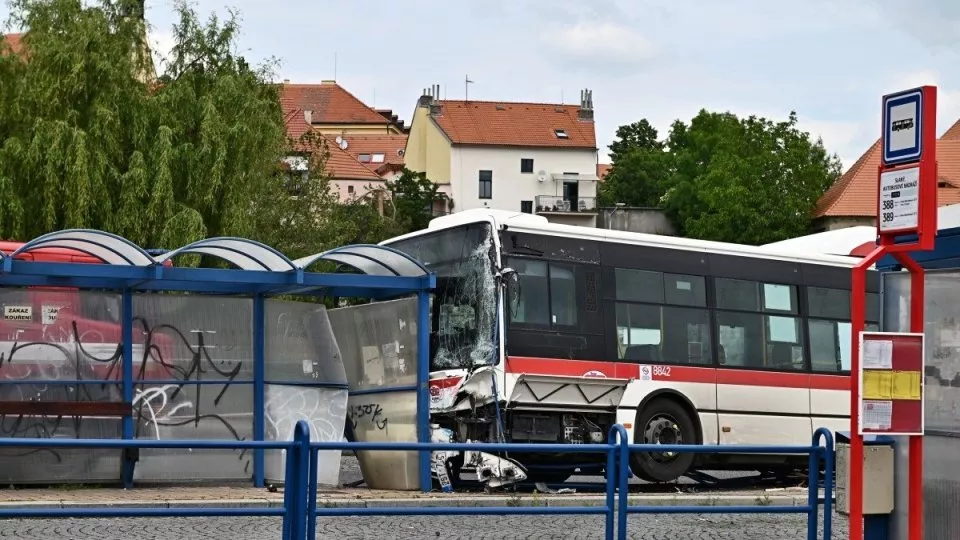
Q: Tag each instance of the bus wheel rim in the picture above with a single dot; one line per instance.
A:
(663, 429)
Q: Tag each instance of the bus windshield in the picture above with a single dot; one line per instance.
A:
(464, 304)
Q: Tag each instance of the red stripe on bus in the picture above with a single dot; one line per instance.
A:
(687, 374)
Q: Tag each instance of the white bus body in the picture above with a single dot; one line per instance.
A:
(551, 333)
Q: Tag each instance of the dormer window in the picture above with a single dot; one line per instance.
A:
(364, 158)
(561, 133)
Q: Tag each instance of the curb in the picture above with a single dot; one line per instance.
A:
(430, 502)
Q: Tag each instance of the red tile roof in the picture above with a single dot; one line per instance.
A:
(514, 124)
(340, 164)
(330, 104)
(14, 41)
(602, 170)
(855, 193)
(391, 146)
(953, 133)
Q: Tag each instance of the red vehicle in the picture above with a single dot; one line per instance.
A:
(67, 334)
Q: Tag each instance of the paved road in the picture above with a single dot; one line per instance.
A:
(663, 527)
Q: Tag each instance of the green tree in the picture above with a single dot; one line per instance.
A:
(297, 211)
(747, 180)
(635, 136)
(86, 141)
(640, 167)
(412, 195)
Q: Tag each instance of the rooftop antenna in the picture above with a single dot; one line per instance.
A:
(334, 66)
(466, 87)
(561, 96)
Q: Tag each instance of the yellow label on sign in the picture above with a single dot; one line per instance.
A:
(887, 385)
(906, 385)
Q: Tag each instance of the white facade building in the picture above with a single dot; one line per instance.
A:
(529, 157)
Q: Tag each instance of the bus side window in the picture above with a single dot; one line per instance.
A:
(529, 300)
(563, 294)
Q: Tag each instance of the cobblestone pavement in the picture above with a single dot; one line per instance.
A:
(652, 527)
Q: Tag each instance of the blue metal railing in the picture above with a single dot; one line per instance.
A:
(300, 511)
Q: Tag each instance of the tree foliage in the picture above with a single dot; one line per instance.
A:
(298, 212)
(412, 195)
(87, 141)
(720, 177)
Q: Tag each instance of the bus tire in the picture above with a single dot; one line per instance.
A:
(663, 421)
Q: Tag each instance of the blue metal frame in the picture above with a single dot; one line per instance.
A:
(127, 428)
(261, 271)
(300, 511)
(423, 384)
(946, 252)
(259, 376)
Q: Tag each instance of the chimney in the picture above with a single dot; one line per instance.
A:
(425, 97)
(431, 99)
(586, 105)
(308, 116)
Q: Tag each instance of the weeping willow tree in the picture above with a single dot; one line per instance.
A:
(88, 140)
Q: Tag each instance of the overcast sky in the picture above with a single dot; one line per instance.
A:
(830, 60)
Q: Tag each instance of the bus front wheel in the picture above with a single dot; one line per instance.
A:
(663, 421)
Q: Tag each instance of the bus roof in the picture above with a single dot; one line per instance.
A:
(529, 223)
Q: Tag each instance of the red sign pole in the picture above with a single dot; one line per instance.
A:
(906, 204)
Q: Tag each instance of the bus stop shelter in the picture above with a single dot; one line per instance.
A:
(247, 318)
(941, 456)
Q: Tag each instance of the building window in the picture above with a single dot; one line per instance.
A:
(364, 158)
(561, 133)
(526, 165)
(526, 207)
(486, 184)
(377, 158)
(350, 190)
(663, 334)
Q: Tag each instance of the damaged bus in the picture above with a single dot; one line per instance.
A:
(548, 333)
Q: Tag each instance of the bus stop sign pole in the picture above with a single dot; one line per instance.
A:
(906, 206)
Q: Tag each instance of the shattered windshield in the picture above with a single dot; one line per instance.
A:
(463, 307)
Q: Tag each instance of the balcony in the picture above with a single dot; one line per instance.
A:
(553, 204)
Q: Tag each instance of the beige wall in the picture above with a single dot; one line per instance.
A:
(358, 129)
(834, 223)
(428, 149)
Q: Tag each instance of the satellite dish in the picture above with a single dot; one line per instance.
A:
(343, 143)
(400, 152)
(542, 175)
(339, 139)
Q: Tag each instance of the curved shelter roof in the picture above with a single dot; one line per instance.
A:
(370, 259)
(258, 268)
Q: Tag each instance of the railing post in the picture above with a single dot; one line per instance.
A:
(813, 489)
(295, 483)
(828, 459)
(623, 477)
(312, 494)
(612, 479)
(289, 489)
